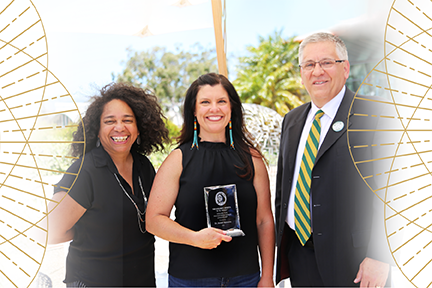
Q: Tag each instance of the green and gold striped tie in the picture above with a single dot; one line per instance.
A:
(302, 193)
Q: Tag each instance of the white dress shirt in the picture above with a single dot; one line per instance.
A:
(330, 109)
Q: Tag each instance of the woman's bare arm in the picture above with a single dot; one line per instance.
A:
(62, 218)
(265, 222)
(162, 198)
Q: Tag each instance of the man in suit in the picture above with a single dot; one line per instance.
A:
(338, 250)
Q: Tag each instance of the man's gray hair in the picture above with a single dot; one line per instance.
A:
(341, 49)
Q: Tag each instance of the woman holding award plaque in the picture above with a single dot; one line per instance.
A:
(219, 186)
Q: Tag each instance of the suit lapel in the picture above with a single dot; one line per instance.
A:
(341, 115)
(294, 132)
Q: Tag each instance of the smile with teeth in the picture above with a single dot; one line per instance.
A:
(120, 139)
(214, 118)
(319, 82)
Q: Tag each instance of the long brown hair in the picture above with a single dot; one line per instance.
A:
(241, 137)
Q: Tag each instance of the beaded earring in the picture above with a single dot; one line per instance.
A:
(138, 140)
(195, 136)
(230, 134)
(98, 143)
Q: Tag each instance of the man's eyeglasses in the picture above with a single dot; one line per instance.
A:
(325, 64)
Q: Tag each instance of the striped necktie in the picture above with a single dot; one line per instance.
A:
(302, 193)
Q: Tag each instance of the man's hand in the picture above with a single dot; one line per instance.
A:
(372, 273)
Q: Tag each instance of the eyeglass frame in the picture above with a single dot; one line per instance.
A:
(319, 62)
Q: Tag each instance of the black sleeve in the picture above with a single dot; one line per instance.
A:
(78, 183)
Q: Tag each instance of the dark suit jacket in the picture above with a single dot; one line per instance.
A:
(341, 202)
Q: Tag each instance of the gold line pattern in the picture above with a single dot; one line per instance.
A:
(33, 154)
(399, 139)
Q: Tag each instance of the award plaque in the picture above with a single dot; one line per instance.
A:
(222, 209)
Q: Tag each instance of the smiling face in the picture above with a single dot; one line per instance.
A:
(118, 129)
(323, 85)
(213, 112)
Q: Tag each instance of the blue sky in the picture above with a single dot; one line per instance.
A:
(84, 60)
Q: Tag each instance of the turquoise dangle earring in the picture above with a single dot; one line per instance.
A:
(230, 134)
(195, 136)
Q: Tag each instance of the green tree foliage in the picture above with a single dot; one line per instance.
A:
(269, 76)
(173, 130)
(158, 157)
(168, 74)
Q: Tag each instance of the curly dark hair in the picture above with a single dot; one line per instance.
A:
(148, 114)
(241, 136)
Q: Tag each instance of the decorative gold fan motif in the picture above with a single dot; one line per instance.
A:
(34, 112)
(399, 169)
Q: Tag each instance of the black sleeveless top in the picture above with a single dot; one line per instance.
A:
(213, 164)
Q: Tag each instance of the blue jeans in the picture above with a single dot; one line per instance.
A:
(250, 280)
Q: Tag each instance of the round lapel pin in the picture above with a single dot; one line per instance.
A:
(338, 126)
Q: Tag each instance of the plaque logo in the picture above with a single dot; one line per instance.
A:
(220, 198)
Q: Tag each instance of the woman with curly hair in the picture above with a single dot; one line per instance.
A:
(104, 200)
(214, 154)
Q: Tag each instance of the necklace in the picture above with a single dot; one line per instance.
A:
(139, 213)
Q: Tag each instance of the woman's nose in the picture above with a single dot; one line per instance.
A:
(214, 107)
(119, 126)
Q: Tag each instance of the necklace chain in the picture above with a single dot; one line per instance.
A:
(139, 213)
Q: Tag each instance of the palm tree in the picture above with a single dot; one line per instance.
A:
(269, 76)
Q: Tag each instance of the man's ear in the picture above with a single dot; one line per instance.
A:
(346, 68)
